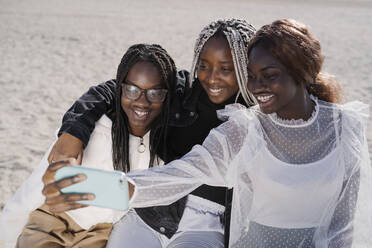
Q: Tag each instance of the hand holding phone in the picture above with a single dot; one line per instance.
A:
(54, 199)
(110, 188)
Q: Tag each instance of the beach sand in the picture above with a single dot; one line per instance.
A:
(52, 51)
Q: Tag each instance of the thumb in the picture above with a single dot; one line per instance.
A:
(51, 156)
(79, 158)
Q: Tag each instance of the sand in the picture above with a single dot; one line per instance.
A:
(52, 51)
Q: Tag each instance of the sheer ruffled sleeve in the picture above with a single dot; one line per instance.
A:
(211, 163)
(351, 222)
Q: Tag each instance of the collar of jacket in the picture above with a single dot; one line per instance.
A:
(183, 110)
(183, 107)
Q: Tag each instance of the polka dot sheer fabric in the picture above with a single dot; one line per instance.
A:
(296, 183)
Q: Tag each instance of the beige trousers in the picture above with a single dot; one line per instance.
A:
(45, 229)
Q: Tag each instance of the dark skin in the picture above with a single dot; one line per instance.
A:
(274, 88)
(216, 71)
(56, 201)
(140, 113)
(67, 146)
(269, 79)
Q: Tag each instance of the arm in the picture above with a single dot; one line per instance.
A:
(80, 119)
(66, 146)
(213, 163)
(341, 229)
(351, 220)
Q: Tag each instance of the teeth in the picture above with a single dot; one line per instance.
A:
(264, 99)
(215, 91)
(141, 113)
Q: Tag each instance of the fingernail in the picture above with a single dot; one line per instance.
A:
(77, 178)
(89, 197)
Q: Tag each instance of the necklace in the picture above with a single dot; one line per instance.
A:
(141, 148)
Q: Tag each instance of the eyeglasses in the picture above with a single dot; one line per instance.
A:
(133, 93)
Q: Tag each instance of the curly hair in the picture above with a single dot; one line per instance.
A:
(238, 34)
(159, 57)
(290, 42)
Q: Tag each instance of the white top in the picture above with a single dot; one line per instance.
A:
(138, 160)
(97, 154)
(295, 179)
(284, 185)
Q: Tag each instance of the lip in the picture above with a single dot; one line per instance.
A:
(141, 114)
(215, 91)
(264, 99)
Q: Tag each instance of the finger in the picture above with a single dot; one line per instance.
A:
(52, 153)
(50, 191)
(79, 158)
(48, 176)
(68, 199)
(78, 197)
(65, 182)
(55, 165)
(54, 188)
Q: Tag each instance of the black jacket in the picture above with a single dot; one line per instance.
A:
(192, 113)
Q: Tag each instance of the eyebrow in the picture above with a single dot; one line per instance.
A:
(155, 86)
(221, 62)
(269, 67)
(266, 68)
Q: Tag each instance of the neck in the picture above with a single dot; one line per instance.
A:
(302, 110)
(139, 132)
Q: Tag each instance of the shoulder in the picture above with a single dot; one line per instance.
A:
(354, 121)
(353, 109)
(356, 110)
(182, 112)
(351, 118)
(238, 113)
(238, 120)
(353, 114)
(107, 84)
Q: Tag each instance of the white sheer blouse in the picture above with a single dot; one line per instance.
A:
(296, 183)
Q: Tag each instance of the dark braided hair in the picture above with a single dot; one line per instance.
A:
(156, 55)
(291, 43)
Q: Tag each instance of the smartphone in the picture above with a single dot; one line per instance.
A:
(109, 187)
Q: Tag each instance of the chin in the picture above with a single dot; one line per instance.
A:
(214, 99)
(218, 99)
(139, 124)
(266, 110)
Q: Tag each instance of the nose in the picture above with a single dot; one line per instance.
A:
(213, 76)
(256, 84)
(142, 100)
